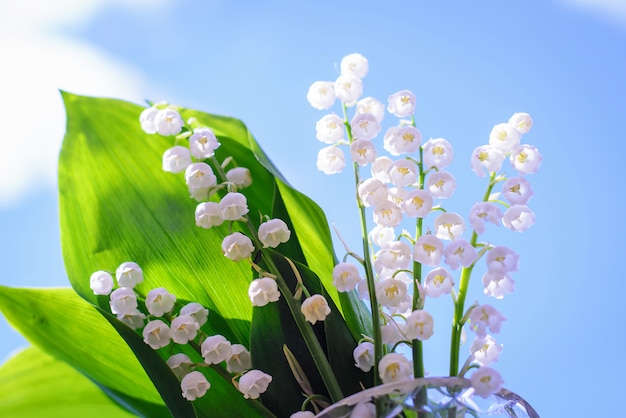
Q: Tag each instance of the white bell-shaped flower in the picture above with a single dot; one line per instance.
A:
(428, 250)
(203, 143)
(526, 159)
(372, 192)
(380, 235)
(354, 64)
(346, 277)
(129, 274)
(485, 350)
(502, 260)
(237, 246)
(364, 126)
(395, 255)
(156, 334)
(348, 88)
(363, 356)
(498, 284)
(373, 106)
(390, 333)
(504, 137)
(486, 381)
(438, 282)
(159, 301)
(437, 153)
(380, 168)
(402, 140)
(517, 190)
(123, 301)
(522, 122)
(331, 160)
(239, 360)
(459, 253)
(263, 291)
(419, 325)
(253, 383)
(449, 226)
(216, 349)
(417, 203)
(240, 177)
(200, 179)
(176, 159)
(518, 218)
(391, 292)
(180, 364)
(330, 129)
(184, 328)
(208, 215)
(168, 122)
(394, 367)
(441, 184)
(194, 385)
(315, 308)
(486, 158)
(101, 283)
(233, 206)
(484, 317)
(403, 173)
(362, 152)
(134, 319)
(146, 119)
(401, 103)
(273, 232)
(387, 214)
(484, 211)
(198, 312)
(321, 95)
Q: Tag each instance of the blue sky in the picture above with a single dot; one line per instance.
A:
(470, 66)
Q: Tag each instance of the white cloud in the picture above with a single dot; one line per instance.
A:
(612, 10)
(36, 64)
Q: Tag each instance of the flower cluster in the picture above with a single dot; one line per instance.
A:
(412, 182)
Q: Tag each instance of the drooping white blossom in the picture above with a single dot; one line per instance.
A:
(485, 350)
(354, 64)
(417, 203)
(419, 325)
(240, 359)
(273, 232)
(373, 106)
(437, 153)
(403, 173)
(146, 119)
(348, 88)
(123, 301)
(522, 122)
(392, 292)
(380, 168)
(486, 158)
(441, 184)
(101, 283)
(449, 226)
(394, 255)
(504, 137)
(498, 284)
(387, 214)
(482, 212)
(168, 122)
(364, 126)
(315, 308)
(180, 364)
(459, 253)
(390, 333)
(156, 334)
(134, 319)
(203, 143)
(438, 282)
(401, 103)
(199, 178)
(518, 218)
(400, 140)
(330, 129)
(159, 301)
(397, 195)
(394, 367)
(129, 274)
(502, 260)
(331, 160)
(194, 385)
(517, 190)
(321, 95)
(239, 176)
(184, 328)
(233, 206)
(263, 291)
(428, 250)
(486, 381)
(363, 356)
(198, 312)
(372, 192)
(526, 159)
(362, 152)
(345, 277)
(485, 317)
(216, 349)
(253, 383)
(208, 215)
(237, 246)
(176, 159)
(380, 235)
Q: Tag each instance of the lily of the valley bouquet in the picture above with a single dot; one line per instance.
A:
(210, 287)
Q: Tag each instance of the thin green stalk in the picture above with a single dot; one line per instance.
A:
(417, 349)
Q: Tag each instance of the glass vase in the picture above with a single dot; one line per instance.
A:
(441, 397)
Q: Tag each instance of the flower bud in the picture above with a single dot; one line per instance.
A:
(253, 383)
(194, 385)
(101, 283)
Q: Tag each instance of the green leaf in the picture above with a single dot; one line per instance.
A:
(33, 383)
(69, 329)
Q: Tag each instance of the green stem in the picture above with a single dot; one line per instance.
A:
(417, 349)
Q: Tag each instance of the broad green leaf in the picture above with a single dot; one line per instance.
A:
(33, 384)
(69, 329)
